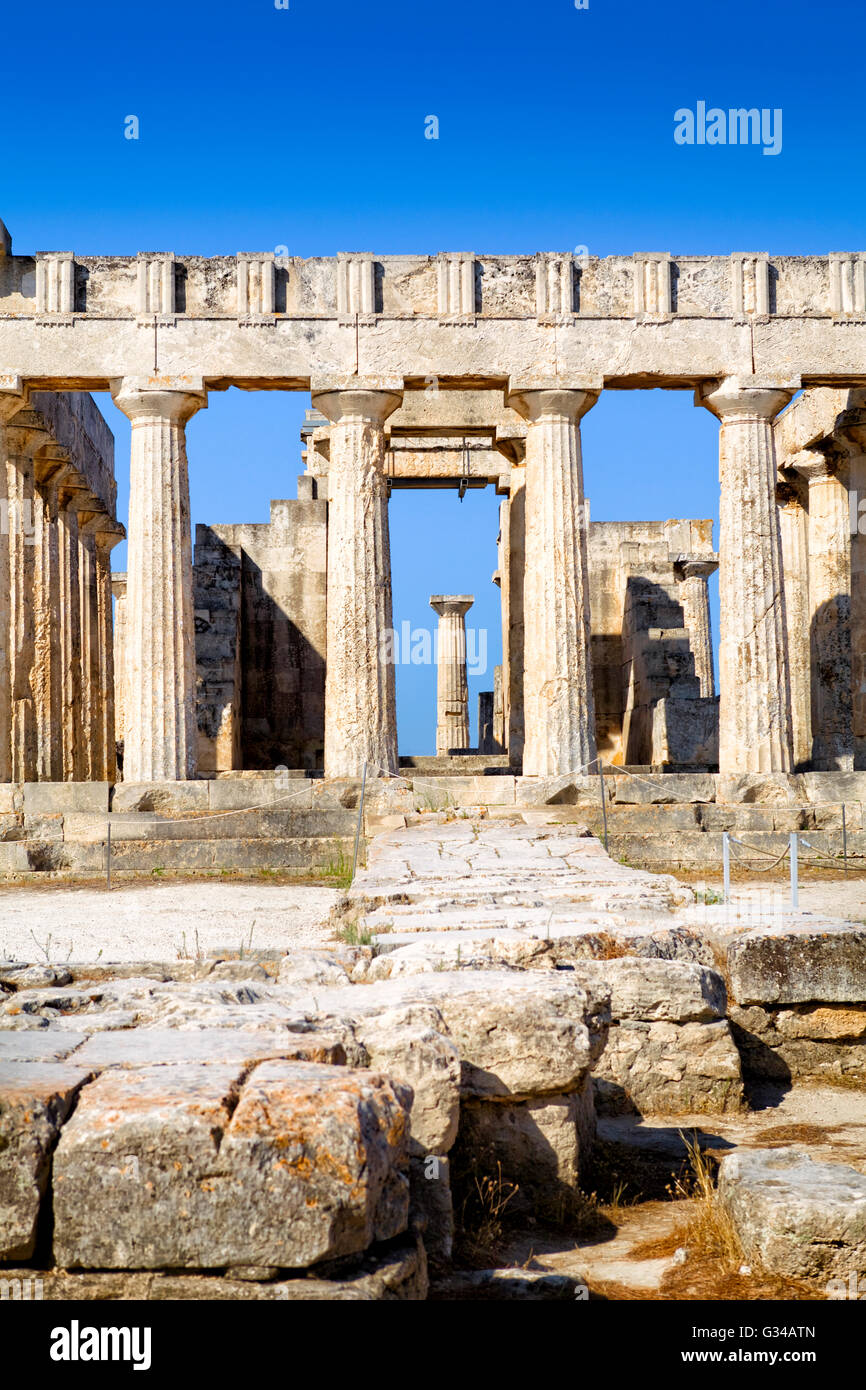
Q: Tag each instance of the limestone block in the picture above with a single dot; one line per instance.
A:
(167, 798)
(538, 1144)
(11, 794)
(669, 1068)
(312, 968)
(411, 1045)
(44, 827)
(564, 790)
(35, 1098)
(440, 793)
(148, 1047)
(41, 798)
(779, 967)
(835, 787)
(519, 1034)
(512, 1285)
(665, 789)
(458, 950)
(39, 1045)
(14, 858)
(400, 1274)
(670, 991)
(767, 788)
(230, 794)
(797, 1217)
(309, 1164)
(431, 1209)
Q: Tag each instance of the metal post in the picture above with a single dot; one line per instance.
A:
(603, 800)
(360, 820)
(726, 864)
(794, 884)
(108, 859)
(844, 839)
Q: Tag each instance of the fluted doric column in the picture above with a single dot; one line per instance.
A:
(160, 733)
(23, 437)
(850, 437)
(791, 497)
(559, 711)
(693, 573)
(755, 691)
(73, 749)
(829, 550)
(12, 399)
(108, 534)
(118, 589)
(360, 701)
(52, 465)
(452, 688)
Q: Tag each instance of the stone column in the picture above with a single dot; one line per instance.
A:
(693, 574)
(755, 690)
(90, 714)
(791, 494)
(118, 589)
(360, 702)
(850, 439)
(23, 437)
(829, 549)
(160, 732)
(51, 467)
(74, 753)
(452, 689)
(107, 533)
(12, 399)
(559, 712)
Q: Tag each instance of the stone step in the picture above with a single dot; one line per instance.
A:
(298, 856)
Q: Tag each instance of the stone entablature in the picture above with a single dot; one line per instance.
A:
(776, 316)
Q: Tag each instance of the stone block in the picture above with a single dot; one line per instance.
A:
(411, 1044)
(797, 967)
(763, 788)
(35, 1098)
(664, 788)
(431, 1209)
(181, 1167)
(148, 1047)
(166, 798)
(834, 787)
(652, 990)
(231, 794)
(14, 858)
(443, 793)
(565, 790)
(796, 1217)
(669, 1069)
(536, 1145)
(49, 798)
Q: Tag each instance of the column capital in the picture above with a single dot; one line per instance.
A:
(816, 463)
(451, 603)
(13, 396)
(175, 399)
(367, 400)
(553, 400)
(695, 566)
(850, 431)
(745, 398)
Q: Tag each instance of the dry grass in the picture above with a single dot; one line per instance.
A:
(480, 1234)
(708, 1229)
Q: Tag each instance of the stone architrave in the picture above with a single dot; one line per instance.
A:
(360, 697)
(452, 688)
(160, 725)
(559, 713)
(693, 573)
(829, 552)
(755, 691)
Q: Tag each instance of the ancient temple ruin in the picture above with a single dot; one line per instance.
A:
(457, 370)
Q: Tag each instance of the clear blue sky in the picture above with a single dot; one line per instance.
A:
(305, 127)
